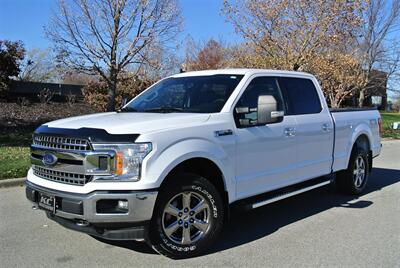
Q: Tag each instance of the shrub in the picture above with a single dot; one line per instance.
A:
(45, 95)
(71, 99)
(23, 101)
(95, 93)
(3, 89)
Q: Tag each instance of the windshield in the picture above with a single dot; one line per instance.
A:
(193, 94)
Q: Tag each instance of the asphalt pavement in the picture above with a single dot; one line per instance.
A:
(318, 228)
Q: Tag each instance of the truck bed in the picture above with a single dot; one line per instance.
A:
(350, 109)
(350, 123)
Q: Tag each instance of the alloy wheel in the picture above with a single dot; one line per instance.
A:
(186, 218)
(359, 172)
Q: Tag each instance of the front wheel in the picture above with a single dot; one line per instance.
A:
(187, 218)
(353, 180)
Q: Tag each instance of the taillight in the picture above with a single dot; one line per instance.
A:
(380, 126)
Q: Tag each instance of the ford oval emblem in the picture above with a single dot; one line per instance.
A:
(49, 159)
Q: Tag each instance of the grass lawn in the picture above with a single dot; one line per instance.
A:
(14, 153)
(14, 161)
(387, 121)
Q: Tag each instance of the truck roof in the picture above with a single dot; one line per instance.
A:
(243, 71)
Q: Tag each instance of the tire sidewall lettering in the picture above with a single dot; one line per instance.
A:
(210, 198)
(175, 247)
(178, 248)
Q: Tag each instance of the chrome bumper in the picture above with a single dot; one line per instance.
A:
(84, 207)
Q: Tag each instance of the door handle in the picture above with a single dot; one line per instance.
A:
(290, 131)
(326, 127)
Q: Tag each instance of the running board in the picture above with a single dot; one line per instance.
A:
(281, 196)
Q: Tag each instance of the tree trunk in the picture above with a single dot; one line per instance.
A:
(334, 102)
(112, 89)
(361, 98)
(111, 97)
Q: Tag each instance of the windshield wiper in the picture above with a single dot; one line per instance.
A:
(164, 109)
(127, 110)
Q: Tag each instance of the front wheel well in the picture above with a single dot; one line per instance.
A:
(204, 168)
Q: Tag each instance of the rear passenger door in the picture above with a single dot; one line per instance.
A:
(314, 131)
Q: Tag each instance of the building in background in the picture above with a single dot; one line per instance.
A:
(31, 90)
(375, 95)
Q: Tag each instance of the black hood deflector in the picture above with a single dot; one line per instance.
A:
(94, 135)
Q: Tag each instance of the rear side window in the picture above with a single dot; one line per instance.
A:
(301, 96)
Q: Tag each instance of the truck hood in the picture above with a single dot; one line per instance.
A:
(130, 123)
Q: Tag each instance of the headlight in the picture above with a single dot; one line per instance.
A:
(128, 160)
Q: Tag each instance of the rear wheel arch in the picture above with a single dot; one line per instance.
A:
(353, 179)
(363, 142)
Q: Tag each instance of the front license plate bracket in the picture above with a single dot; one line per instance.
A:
(47, 202)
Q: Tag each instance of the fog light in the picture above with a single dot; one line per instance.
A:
(123, 204)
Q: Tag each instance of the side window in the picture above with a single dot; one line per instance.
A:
(301, 95)
(259, 86)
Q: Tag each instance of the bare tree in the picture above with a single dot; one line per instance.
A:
(104, 37)
(378, 51)
(38, 66)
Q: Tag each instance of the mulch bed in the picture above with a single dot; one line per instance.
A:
(13, 115)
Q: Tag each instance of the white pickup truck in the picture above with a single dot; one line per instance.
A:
(169, 166)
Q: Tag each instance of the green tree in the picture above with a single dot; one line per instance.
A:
(11, 55)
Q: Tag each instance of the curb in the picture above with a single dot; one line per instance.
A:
(389, 140)
(12, 182)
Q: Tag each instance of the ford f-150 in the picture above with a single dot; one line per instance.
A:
(168, 167)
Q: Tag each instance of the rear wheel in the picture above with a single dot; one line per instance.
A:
(354, 179)
(188, 217)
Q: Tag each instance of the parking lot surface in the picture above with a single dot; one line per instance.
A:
(318, 228)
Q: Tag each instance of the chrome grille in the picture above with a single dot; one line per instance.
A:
(59, 176)
(63, 143)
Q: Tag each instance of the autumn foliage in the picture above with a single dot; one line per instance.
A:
(95, 92)
(210, 56)
(339, 41)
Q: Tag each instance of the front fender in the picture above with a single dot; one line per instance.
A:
(160, 165)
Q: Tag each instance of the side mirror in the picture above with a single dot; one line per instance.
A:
(267, 110)
(265, 113)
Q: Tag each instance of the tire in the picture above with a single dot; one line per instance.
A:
(180, 233)
(353, 180)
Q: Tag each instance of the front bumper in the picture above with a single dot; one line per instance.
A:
(81, 211)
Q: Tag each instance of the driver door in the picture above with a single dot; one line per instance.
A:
(265, 155)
